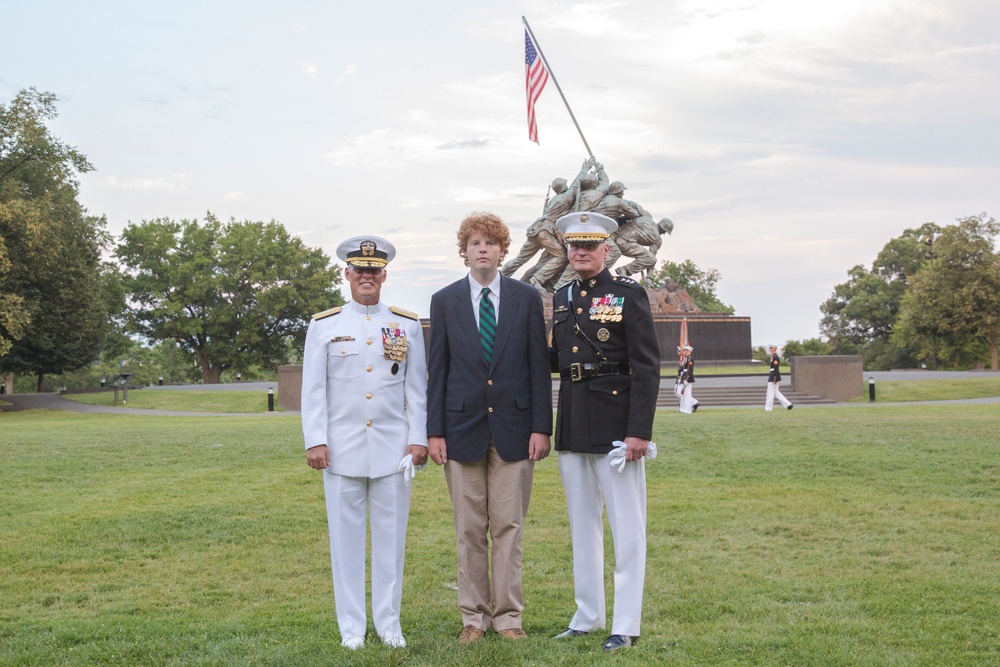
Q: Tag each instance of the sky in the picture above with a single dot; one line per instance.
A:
(788, 141)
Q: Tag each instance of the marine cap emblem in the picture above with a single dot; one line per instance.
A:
(584, 217)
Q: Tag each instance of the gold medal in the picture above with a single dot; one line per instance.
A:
(603, 334)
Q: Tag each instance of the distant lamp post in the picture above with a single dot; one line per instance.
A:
(238, 376)
(104, 380)
(270, 399)
(125, 377)
(161, 380)
(871, 389)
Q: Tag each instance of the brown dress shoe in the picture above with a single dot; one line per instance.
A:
(470, 635)
(513, 633)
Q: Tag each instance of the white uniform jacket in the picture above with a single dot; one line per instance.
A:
(366, 408)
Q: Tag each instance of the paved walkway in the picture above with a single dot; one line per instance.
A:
(56, 402)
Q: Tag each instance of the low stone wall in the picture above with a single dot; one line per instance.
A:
(290, 387)
(837, 377)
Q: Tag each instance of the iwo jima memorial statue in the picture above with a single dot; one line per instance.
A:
(718, 337)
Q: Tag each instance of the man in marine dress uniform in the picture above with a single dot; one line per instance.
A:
(685, 380)
(773, 379)
(364, 416)
(604, 348)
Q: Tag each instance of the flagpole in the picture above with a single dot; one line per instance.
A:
(538, 47)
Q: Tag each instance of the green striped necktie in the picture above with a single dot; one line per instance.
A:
(487, 323)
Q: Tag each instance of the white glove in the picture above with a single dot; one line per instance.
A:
(616, 457)
(409, 471)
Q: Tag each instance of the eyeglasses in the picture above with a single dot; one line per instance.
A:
(588, 246)
(367, 270)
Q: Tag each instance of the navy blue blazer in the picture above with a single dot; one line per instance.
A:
(470, 402)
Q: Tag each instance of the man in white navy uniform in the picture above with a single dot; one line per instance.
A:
(364, 419)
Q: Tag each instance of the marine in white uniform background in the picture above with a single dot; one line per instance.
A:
(364, 415)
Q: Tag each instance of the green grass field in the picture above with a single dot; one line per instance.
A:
(892, 391)
(821, 537)
(188, 400)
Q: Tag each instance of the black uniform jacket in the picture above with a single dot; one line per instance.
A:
(774, 375)
(685, 370)
(613, 312)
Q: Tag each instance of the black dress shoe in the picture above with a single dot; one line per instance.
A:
(694, 408)
(615, 642)
(790, 407)
(569, 633)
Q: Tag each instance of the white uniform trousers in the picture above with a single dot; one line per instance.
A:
(587, 478)
(387, 501)
(687, 398)
(773, 392)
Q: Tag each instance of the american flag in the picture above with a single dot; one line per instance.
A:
(535, 78)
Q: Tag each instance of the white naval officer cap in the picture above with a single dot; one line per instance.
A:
(366, 250)
(584, 226)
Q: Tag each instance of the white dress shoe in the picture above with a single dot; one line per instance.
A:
(353, 643)
(394, 642)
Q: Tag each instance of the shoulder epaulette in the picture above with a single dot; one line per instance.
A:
(327, 313)
(625, 280)
(404, 313)
(564, 287)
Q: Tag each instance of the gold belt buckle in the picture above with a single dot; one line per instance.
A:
(575, 372)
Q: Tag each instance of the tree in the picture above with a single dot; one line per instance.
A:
(700, 285)
(51, 276)
(860, 314)
(955, 300)
(230, 294)
(13, 315)
(811, 347)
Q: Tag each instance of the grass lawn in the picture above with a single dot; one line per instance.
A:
(897, 391)
(821, 537)
(184, 400)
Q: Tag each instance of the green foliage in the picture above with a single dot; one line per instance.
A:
(953, 306)
(700, 285)
(804, 348)
(929, 296)
(234, 295)
(861, 310)
(54, 315)
(145, 365)
(829, 537)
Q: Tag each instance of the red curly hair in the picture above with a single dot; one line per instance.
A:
(489, 225)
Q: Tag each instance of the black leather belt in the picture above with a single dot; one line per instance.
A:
(579, 372)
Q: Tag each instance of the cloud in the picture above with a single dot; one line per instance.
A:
(172, 183)
(234, 196)
(468, 143)
(311, 69)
